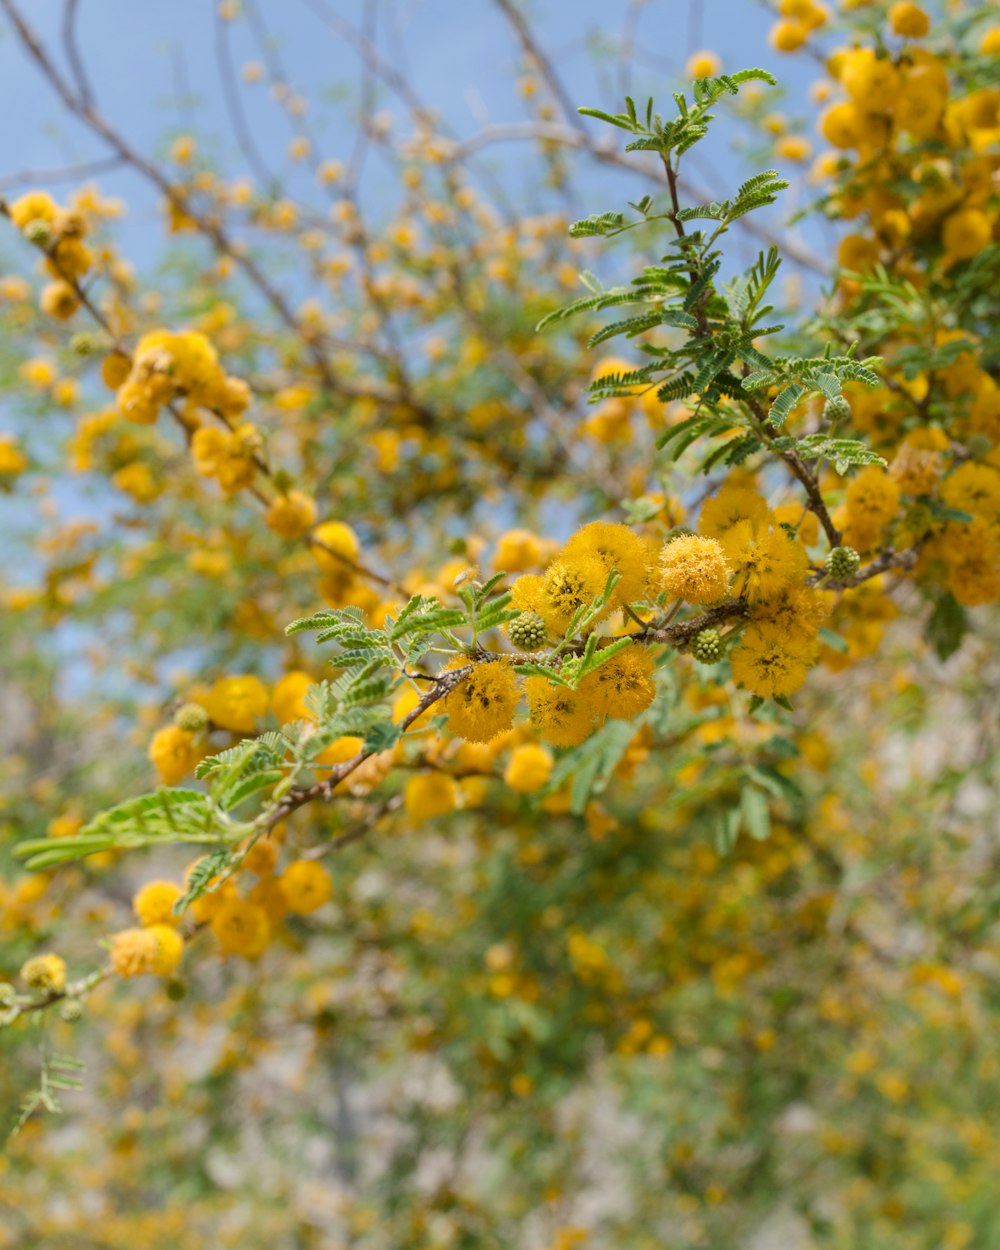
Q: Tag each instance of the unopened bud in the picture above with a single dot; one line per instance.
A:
(843, 562)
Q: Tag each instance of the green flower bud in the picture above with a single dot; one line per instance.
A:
(707, 647)
(528, 632)
(836, 409)
(8, 994)
(39, 232)
(84, 344)
(843, 562)
(191, 717)
(71, 1010)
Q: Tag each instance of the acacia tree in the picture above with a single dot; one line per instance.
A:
(534, 811)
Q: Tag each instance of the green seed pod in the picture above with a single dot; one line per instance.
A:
(39, 232)
(191, 717)
(85, 344)
(528, 632)
(836, 409)
(176, 991)
(843, 562)
(707, 647)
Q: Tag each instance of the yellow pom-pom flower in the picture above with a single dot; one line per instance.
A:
(528, 768)
(236, 703)
(623, 686)
(908, 20)
(240, 927)
(33, 206)
(173, 753)
(694, 569)
(288, 696)
(569, 584)
(730, 506)
(154, 904)
(518, 550)
(481, 707)
(306, 886)
(764, 561)
(428, 795)
(169, 950)
(703, 64)
(767, 664)
(291, 515)
(616, 547)
(333, 544)
(133, 952)
(562, 716)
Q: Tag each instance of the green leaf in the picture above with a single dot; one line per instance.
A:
(834, 640)
(200, 876)
(946, 626)
(597, 224)
(756, 813)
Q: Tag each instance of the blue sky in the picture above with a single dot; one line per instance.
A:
(155, 71)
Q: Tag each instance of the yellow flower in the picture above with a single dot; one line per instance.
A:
(528, 768)
(989, 44)
(569, 584)
(236, 703)
(261, 857)
(731, 505)
(136, 479)
(173, 753)
(694, 569)
(973, 557)
(966, 233)
(154, 904)
(240, 927)
(291, 515)
(12, 459)
(428, 795)
(871, 502)
(33, 206)
(134, 952)
(765, 663)
(169, 950)
(788, 36)
(908, 20)
(915, 470)
(617, 547)
(482, 705)
(45, 972)
(340, 750)
(59, 300)
(764, 561)
(115, 368)
(623, 686)
(306, 886)
(798, 612)
(517, 550)
(702, 64)
(562, 716)
(973, 488)
(793, 148)
(333, 543)
(871, 81)
(69, 259)
(288, 696)
(842, 125)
